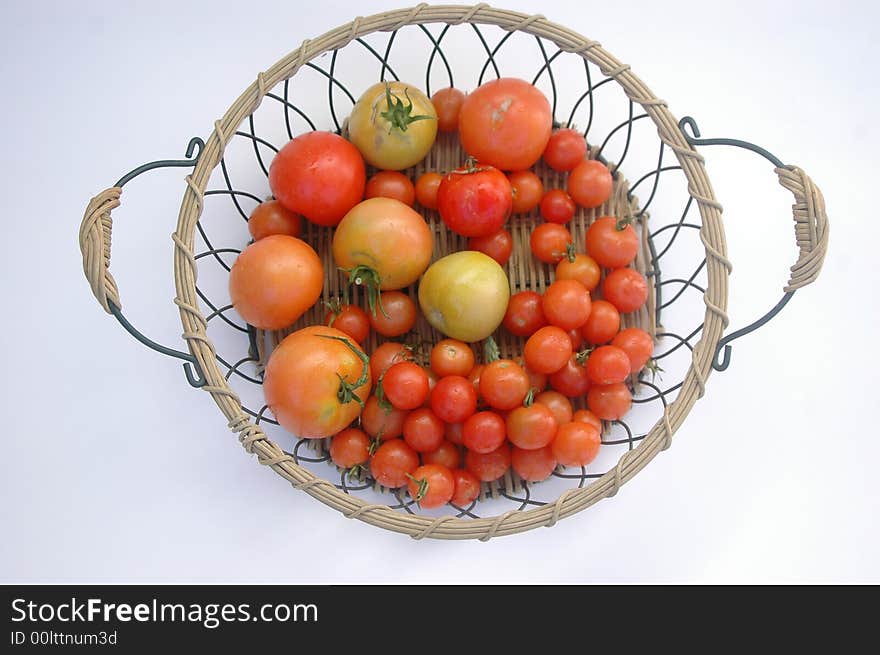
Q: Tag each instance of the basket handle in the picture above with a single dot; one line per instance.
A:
(94, 243)
(810, 230)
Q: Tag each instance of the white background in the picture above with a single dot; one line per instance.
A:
(115, 470)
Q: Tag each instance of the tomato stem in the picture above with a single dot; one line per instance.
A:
(355, 471)
(529, 400)
(334, 308)
(491, 352)
(369, 278)
(570, 253)
(621, 223)
(423, 486)
(398, 114)
(655, 369)
(347, 389)
(582, 357)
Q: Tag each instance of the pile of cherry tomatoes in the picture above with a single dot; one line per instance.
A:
(434, 420)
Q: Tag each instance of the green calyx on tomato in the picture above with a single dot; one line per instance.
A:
(346, 393)
(621, 223)
(582, 356)
(491, 352)
(398, 114)
(422, 486)
(371, 281)
(570, 253)
(529, 400)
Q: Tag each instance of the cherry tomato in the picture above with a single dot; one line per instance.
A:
(558, 404)
(271, 217)
(590, 183)
(431, 486)
(572, 379)
(476, 201)
(387, 354)
(531, 427)
(576, 444)
(576, 338)
(275, 280)
(566, 149)
(483, 432)
(537, 381)
(391, 462)
(547, 350)
(626, 289)
(498, 245)
(454, 399)
(586, 416)
(467, 488)
(488, 466)
(609, 402)
(607, 365)
(533, 465)
(432, 382)
(550, 242)
(602, 324)
(567, 304)
(423, 430)
(382, 422)
(474, 377)
(319, 175)
(349, 448)
(391, 184)
(524, 315)
(447, 102)
(451, 357)
(527, 188)
(453, 433)
(557, 207)
(609, 246)
(580, 267)
(395, 315)
(506, 123)
(350, 319)
(447, 454)
(426, 189)
(504, 384)
(406, 385)
(638, 346)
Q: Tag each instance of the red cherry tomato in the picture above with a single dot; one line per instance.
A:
(447, 103)
(638, 346)
(524, 315)
(590, 183)
(447, 454)
(586, 416)
(576, 444)
(504, 384)
(572, 379)
(567, 304)
(431, 486)
(531, 427)
(626, 289)
(533, 465)
(451, 357)
(607, 365)
(454, 398)
(483, 432)
(423, 430)
(558, 404)
(557, 207)
(382, 422)
(549, 242)
(349, 448)
(602, 324)
(271, 217)
(387, 354)
(488, 466)
(467, 488)
(391, 462)
(498, 245)
(547, 350)
(475, 202)
(609, 246)
(391, 184)
(580, 267)
(609, 402)
(406, 385)
(426, 189)
(395, 315)
(566, 149)
(527, 188)
(350, 319)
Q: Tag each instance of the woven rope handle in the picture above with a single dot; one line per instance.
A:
(810, 225)
(94, 243)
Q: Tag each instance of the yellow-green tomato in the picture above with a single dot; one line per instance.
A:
(464, 295)
(393, 124)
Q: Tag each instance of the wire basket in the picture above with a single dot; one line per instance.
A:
(682, 254)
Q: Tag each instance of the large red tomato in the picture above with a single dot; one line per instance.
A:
(475, 201)
(319, 175)
(506, 123)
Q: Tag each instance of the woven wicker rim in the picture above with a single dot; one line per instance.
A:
(449, 527)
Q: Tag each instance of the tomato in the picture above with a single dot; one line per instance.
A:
(405, 385)
(607, 365)
(369, 241)
(432, 382)
(498, 245)
(350, 319)
(576, 444)
(602, 324)
(349, 447)
(447, 103)
(576, 338)
(271, 217)
(547, 350)
(533, 465)
(464, 295)
(380, 422)
(467, 488)
(316, 381)
(446, 454)
(527, 189)
(393, 124)
(504, 384)
(396, 314)
(566, 149)
(387, 354)
(638, 346)
(505, 123)
(626, 289)
(391, 463)
(566, 303)
(454, 433)
(319, 175)
(474, 201)
(483, 432)
(586, 416)
(451, 357)
(610, 244)
(426, 189)
(609, 402)
(488, 466)
(590, 183)
(431, 486)
(572, 379)
(537, 381)
(580, 267)
(275, 280)
(454, 399)
(557, 207)
(391, 184)
(550, 242)
(423, 430)
(524, 315)
(474, 377)
(531, 427)
(558, 404)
